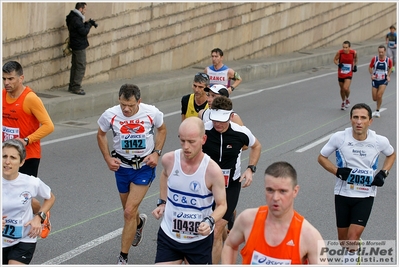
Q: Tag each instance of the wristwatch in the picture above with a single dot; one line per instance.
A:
(252, 167)
(160, 202)
(386, 173)
(26, 139)
(42, 215)
(232, 88)
(159, 151)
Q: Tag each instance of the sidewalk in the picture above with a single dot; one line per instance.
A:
(63, 106)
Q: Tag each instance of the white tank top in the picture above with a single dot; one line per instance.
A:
(219, 76)
(189, 201)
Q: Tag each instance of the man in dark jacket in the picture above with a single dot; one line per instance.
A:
(78, 31)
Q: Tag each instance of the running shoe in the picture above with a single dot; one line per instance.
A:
(46, 226)
(139, 233)
(343, 106)
(347, 103)
(376, 114)
(122, 261)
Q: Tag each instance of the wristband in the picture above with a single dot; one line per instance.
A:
(209, 220)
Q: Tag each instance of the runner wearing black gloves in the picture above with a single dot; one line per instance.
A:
(357, 151)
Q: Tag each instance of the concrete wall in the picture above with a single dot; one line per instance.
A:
(144, 38)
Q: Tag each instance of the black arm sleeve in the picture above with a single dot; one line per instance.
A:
(184, 104)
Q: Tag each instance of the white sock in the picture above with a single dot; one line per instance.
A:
(350, 258)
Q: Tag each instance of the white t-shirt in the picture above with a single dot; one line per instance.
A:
(205, 115)
(17, 195)
(132, 136)
(361, 156)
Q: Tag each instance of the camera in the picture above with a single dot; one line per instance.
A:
(92, 22)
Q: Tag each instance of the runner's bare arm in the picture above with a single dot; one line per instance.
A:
(311, 243)
(355, 59)
(113, 163)
(215, 182)
(167, 163)
(327, 164)
(389, 161)
(235, 77)
(238, 235)
(336, 58)
(160, 137)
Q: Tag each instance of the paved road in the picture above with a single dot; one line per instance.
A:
(288, 114)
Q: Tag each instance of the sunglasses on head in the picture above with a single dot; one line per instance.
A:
(204, 75)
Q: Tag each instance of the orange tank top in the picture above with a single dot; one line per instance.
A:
(256, 250)
(16, 123)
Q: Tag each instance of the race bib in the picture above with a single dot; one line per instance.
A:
(261, 259)
(391, 44)
(226, 174)
(10, 133)
(13, 228)
(133, 141)
(379, 75)
(346, 68)
(360, 180)
(185, 224)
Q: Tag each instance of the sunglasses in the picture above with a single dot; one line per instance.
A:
(204, 75)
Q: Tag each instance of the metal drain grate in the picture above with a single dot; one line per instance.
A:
(306, 53)
(46, 95)
(75, 123)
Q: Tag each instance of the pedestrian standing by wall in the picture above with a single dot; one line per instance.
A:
(78, 30)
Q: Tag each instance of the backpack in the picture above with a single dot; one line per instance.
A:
(66, 50)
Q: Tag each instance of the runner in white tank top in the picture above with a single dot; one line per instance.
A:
(189, 185)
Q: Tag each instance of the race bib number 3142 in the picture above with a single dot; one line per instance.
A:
(133, 141)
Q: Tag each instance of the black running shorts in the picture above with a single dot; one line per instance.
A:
(352, 210)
